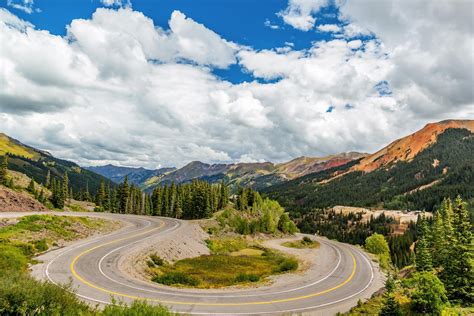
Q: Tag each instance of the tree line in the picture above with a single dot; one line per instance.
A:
(351, 229)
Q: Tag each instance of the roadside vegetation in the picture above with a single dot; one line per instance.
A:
(306, 242)
(38, 233)
(21, 294)
(232, 262)
(441, 280)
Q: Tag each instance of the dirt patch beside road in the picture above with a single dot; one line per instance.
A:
(12, 201)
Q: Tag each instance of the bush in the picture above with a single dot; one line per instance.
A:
(307, 240)
(20, 294)
(172, 278)
(226, 245)
(377, 244)
(137, 308)
(287, 264)
(41, 245)
(12, 259)
(247, 278)
(157, 260)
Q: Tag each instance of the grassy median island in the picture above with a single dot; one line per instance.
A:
(232, 262)
(306, 242)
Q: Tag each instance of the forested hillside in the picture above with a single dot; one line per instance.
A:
(38, 165)
(444, 169)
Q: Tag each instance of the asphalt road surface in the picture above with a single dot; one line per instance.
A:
(347, 276)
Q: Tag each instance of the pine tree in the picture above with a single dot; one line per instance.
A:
(87, 196)
(65, 187)
(101, 195)
(423, 259)
(31, 187)
(179, 210)
(391, 306)
(57, 197)
(446, 212)
(41, 197)
(458, 273)
(124, 196)
(47, 183)
(438, 240)
(3, 170)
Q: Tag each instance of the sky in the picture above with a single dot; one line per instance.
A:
(165, 82)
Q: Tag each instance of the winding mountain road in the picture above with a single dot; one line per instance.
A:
(345, 276)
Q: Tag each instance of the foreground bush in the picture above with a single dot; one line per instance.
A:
(20, 294)
(137, 308)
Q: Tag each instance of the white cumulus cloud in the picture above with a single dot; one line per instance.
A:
(119, 89)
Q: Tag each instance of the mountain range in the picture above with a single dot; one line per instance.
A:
(258, 175)
(413, 172)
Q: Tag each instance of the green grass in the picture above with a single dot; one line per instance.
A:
(219, 270)
(77, 208)
(226, 245)
(247, 252)
(43, 230)
(301, 244)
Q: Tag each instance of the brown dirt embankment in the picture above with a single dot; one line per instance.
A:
(12, 201)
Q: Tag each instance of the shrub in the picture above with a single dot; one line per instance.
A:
(150, 264)
(11, 259)
(226, 245)
(247, 278)
(287, 264)
(20, 294)
(157, 260)
(172, 278)
(137, 308)
(307, 240)
(41, 245)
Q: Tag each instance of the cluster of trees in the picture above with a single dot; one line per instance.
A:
(389, 187)
(253, 214)
(446, 246)
(351, 229)
(125, 199)
(198, 199)
(443, 262)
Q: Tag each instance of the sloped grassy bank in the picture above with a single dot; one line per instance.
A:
(234, 261)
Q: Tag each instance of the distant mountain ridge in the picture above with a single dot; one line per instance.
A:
(406, 148)
(257, 175)
(136, 176)
(414, 172)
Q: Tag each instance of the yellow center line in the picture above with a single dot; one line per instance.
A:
(77, 276)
